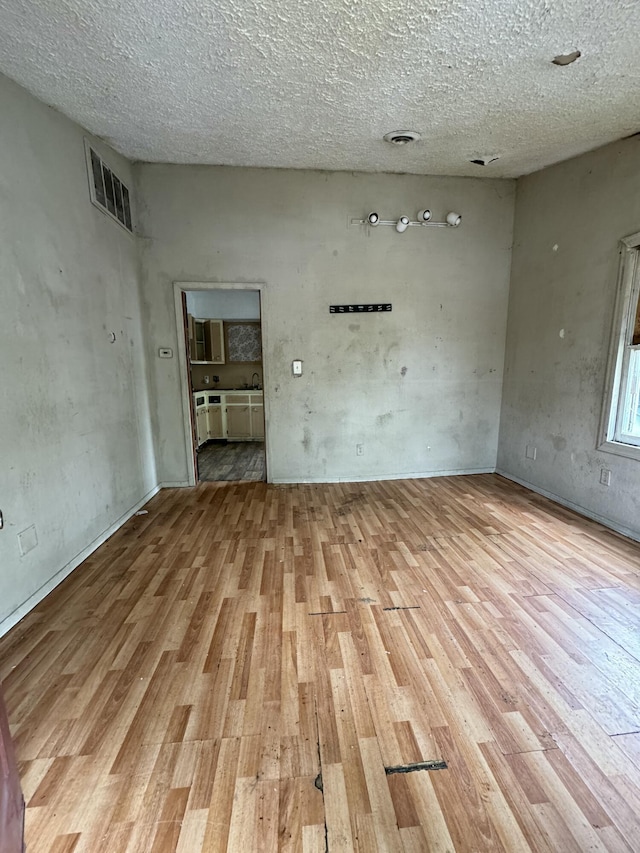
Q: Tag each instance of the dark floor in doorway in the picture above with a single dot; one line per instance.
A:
(232, 460)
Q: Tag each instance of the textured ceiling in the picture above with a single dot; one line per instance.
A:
(317, 83)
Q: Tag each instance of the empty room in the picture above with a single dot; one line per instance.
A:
(320, 434)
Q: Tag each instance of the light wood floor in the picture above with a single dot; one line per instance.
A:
(235, 671)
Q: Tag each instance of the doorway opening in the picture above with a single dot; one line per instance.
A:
(223, 380)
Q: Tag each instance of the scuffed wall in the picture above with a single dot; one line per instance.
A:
(569, 219)
(75, 443)
(419, 387)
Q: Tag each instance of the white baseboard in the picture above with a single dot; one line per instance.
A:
(178, 484)
(358, 479)
(13, 618)
(601, 519)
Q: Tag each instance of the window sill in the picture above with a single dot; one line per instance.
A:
(631, 451)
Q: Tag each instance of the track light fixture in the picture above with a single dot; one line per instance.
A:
(423, 219)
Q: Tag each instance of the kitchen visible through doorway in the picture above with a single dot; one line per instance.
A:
(224, 350)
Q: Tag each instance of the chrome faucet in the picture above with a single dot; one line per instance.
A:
(255, 384)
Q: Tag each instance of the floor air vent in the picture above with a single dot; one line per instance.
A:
(107, 190)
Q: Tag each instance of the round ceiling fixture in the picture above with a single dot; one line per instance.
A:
(401, 137)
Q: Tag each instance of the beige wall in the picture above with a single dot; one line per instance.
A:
(75, 449)
(419, 387)
(569, 219)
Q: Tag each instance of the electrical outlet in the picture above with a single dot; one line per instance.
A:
(359, 449)
(531, 452)
(205, 379)
(605, 476)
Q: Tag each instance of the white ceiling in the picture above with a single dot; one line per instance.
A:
(317, 83)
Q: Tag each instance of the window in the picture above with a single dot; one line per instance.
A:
(621, 417)
(107, 190)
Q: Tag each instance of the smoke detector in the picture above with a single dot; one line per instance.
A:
(401, 137)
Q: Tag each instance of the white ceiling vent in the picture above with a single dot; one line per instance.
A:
(107, 190)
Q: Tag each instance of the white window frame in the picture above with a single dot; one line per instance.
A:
(611, 439)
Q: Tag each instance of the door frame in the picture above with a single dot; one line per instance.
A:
(179, 288)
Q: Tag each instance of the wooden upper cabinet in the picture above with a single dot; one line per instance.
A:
(191, 330)
(197, 338)
(215, 341)
(243, 341)
(206, 340)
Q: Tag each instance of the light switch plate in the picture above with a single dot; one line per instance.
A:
(297, 367)
(28, 539)
(165, 352)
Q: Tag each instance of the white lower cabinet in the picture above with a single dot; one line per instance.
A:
(244, 421)
(215, 427)
(214, 422)
(238, 423)
(236, 416)
(200, 417)
(257, 421)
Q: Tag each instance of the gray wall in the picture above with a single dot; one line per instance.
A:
(419, 387)
(554, 384)
(75, 442)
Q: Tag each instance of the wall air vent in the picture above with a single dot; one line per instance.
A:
(107, 190)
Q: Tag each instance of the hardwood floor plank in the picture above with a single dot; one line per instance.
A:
(385, 818)
(176, 694)
(339, 835)
(65, 843)
(170, 823)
